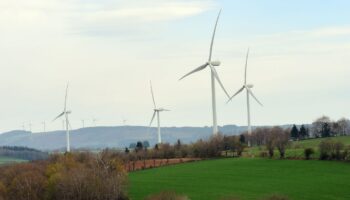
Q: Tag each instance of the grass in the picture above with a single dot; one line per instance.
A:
(296, 148)
(8, 160)
(315, 142)
(246, 178)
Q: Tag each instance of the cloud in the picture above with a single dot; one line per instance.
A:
(330, 31)
(104, 15)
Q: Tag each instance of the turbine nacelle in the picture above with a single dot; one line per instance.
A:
(160, 109)
(214, 63)
(249, 86)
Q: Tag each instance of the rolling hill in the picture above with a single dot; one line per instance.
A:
(116, 137)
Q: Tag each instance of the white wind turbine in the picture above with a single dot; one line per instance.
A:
(156, 112)
(65, 113)
(248, 88)
(214, 75)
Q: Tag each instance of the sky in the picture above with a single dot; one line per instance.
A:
(109, 50)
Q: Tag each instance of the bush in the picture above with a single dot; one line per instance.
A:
(330, 149)
(167, 195)
(264, 154)
(308, 152)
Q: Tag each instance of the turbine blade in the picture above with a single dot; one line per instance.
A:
(246, 66)
(60, 115)
(70, 126)
(256, 99)
(65, 99)
(195, 70)
(165, 110)
(154, 102)
(154, 114)
(212, 39)
(239, 91)
(213, 71)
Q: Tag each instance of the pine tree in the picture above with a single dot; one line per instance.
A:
(303, 132)
(294, 133)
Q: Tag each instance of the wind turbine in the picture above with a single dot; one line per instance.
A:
(65, 113)
(214, 76)
(44, 124)
(94, 120)
(83, 122)
(23, 127)
(248, 88)
(156, 111)
(30, 126)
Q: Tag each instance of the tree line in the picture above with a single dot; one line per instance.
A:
(79, 176)
(24, 153)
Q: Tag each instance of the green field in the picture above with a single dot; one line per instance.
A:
(315, 142)
(7, 160)
(296, 148)
(246, 178)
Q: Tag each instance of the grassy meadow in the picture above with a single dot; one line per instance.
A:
(296, 148)
(247, 179)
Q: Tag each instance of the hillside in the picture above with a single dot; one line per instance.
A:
(118, 136)
(246, 179)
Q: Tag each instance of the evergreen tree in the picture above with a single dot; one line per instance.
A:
(303, 133)
(326, 130)
(139, 146)
(294, 133)
(242, 138)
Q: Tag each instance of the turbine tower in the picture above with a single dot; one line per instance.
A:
(65, 113)
(248, 88)
(44, 126)
(214, 76)
(156, 111)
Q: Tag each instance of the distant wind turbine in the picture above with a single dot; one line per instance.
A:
(156, 112)
(214, 75)
(94, 120)
(30, 126)
(65, 113)
(83, 122)
(249, 92)
(44, 124)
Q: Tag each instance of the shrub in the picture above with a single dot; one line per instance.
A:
(167, 195)
(330, 149)
(325, 149)
(308, 152)
(264, 154)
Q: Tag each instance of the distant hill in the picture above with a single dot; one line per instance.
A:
(116, 136)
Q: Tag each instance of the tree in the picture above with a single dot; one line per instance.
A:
(326, 130)
(318, 126)
(281, 139)
(344, 126)
(294, 133)
(242, 138)
(139, 146)
(303, 132)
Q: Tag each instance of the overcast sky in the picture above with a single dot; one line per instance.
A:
(109, 50)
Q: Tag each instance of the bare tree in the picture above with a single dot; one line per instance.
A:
(344, 126)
